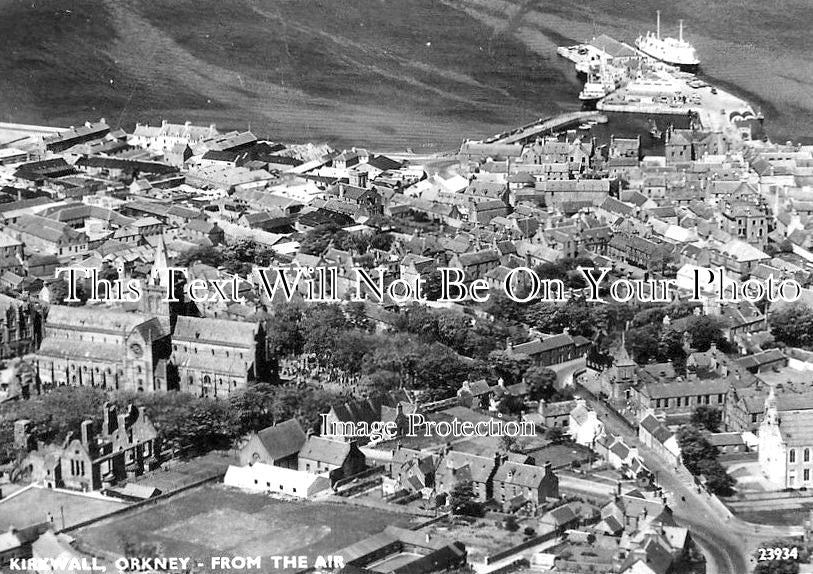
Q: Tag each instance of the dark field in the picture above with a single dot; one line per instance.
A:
(391, 74)
(217, 521)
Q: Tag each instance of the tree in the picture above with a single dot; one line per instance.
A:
(316, 240)
(792, 324)
(357, 318)
(462, 500)
(707, 417)
(508, 443)
(705, 330)
(642, 343)
(694, 448)
(700, 458)
(511, 405)
(508, 366)
(556, 435)
(541, 383)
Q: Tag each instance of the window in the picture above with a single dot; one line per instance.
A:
(806, 475)
(792, 455)
(806, 455)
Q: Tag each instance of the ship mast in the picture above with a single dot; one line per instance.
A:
(681, 31)
(658, 29)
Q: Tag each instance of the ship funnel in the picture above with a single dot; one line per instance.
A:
(658, 28)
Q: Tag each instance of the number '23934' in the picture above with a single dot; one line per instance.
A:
(784, 553)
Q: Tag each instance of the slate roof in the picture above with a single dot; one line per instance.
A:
(283, 440)
(332, 452)
(524, 475)
(215, 331)
(541, 345)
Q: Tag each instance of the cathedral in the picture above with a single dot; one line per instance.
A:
(150, 349)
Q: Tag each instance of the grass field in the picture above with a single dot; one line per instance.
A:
(217, 521)
(34, 505)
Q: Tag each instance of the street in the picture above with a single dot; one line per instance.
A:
(726, 542)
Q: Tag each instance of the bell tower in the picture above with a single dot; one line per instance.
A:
(154, 300)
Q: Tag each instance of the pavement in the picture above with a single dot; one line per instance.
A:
(726, 541)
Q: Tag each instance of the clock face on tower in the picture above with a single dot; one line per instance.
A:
(136, 349)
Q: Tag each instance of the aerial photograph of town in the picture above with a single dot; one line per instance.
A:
(406, 286)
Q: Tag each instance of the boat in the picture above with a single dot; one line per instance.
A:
(654, 130)
(597, 86)
(673, 51)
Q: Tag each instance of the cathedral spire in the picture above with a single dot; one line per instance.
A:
(160, 266)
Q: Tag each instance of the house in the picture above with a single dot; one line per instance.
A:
(680, 398)
(728, 443)
(584, 427)
(656, 436)
(559, 519)
(551, 350)
(66, 139)
(552, 415)
(277, 445)
(126, 446)
(342, 417)
(17, 333)
(461, 467)
(41, 234)
(414, 470)
(517, 485)
(476, 264)
(261, 477)
(339, 459)
(476, 394)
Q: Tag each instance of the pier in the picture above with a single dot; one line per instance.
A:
(543, 126)
(645, 85)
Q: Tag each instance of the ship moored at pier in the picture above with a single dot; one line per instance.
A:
(674, 51)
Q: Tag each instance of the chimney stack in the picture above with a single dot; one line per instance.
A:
(110, 417)
(122, 422)
(86, 432)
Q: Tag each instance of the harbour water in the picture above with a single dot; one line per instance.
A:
(429, 75)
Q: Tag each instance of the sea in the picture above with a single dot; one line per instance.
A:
(391, 75)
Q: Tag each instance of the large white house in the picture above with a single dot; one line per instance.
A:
(584, 426)
(786, 440)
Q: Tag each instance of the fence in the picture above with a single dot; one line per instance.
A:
(149, 501)
(521, 546)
